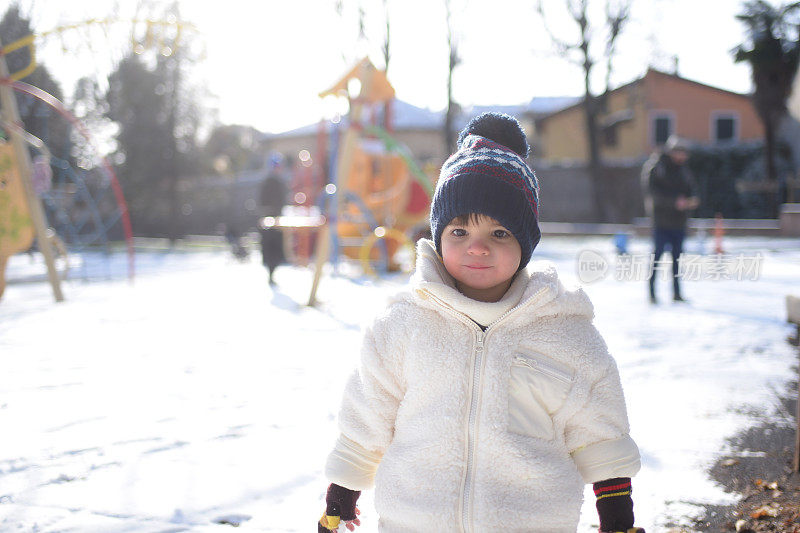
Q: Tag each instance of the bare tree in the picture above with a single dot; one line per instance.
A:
(580, 52)
(454, 60)
(387, 107)
(361, 39)
(363, 36)
(362, 23)
(385, 48)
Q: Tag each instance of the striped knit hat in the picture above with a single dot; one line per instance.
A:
(488, 175)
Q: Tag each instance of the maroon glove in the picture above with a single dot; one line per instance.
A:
(340, 505)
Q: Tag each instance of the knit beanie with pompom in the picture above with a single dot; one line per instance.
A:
(488, 175)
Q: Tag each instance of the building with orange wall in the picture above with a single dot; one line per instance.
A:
(641, 115)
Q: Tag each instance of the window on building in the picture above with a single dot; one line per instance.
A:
(725, 128)
(610, 136)
(662, 129)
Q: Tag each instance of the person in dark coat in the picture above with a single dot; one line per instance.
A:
(669, 197)
(272, 197)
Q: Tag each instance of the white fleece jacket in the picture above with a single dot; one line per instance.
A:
(465, 430)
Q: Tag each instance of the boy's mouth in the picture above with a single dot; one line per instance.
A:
(478, 267)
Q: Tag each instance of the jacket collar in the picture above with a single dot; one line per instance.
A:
(432, 279)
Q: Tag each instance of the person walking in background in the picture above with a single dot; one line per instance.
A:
(272, 197)
(669, 197)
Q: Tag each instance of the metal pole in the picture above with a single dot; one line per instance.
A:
(10, 115)
(793, 317)
(796, 461)
(323, 251)
(346, 150)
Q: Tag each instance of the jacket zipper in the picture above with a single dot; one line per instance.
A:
(471, 428)
(466, 503)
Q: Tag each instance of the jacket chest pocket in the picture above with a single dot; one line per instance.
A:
(537, 388)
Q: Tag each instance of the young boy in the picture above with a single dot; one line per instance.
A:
(486, 398)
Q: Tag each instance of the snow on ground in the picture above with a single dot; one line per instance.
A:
(198, 397)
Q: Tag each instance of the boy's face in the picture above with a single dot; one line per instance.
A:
(482, 256)
(679, 156)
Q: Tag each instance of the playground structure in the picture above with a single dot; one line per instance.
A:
(23, 216)
(16, 230)
(82, 205)
(372, 196)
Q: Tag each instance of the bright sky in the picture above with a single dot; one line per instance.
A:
(267, 60)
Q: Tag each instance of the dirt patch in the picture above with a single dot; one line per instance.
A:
(759, 470)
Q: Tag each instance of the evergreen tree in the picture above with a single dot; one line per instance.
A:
(158, 115)
(37, 117)
(135, 102)
(772, 49)
(239, 144)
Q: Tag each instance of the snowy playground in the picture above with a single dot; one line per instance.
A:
(198, 398)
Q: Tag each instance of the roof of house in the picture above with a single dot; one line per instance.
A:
(650, 71)
(406, 116)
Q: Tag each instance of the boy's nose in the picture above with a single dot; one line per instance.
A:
(478, 247)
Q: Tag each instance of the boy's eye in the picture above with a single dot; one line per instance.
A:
(500, 233)
(458, 232)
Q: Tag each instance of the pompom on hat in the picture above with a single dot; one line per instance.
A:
(488, 175)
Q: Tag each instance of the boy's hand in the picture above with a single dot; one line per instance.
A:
(340, 506)
(328, 524)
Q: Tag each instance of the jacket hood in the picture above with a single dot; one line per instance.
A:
(539, 281)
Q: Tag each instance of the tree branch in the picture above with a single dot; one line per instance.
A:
(386, 41)
(563, 48)
(615, 20)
